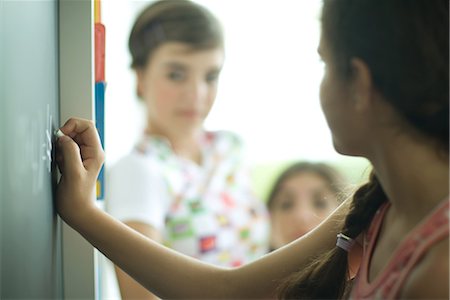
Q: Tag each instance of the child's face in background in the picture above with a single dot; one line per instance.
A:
(304, 200)
(179, 86)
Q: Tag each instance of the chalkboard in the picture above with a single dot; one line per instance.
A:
(31, 257)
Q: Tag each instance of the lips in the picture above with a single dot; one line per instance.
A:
(189, 113)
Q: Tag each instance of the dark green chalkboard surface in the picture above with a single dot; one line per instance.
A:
(31, 259)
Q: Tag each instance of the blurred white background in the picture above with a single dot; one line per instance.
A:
(268, 90)
(269, 87)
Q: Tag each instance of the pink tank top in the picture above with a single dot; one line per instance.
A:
(389, 282)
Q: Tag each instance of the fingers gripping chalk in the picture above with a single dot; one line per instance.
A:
(59, 133)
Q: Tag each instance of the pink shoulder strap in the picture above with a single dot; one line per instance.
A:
(434, 229)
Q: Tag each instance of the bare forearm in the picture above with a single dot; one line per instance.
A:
(129, 288)
(172, 275)
(164, 272)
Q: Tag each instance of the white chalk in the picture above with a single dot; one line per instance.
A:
(59, 133)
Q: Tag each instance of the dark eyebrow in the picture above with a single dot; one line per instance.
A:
(180, 66)
(321, 189)
(215, 70)
(175, 65)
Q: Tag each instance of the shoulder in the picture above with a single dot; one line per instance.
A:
(430, 278)
(133, 164)
(128, 161)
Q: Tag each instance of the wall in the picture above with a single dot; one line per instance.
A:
(46, 70)
(31, 252)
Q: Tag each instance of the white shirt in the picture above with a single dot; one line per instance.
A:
(207, 211)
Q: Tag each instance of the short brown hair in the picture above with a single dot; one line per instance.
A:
(172, 20)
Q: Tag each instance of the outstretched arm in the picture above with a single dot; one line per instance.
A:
(165, 272)
(129, 288)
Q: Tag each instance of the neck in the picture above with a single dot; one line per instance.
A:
(187, 147)
(185, 144)
(413, 175)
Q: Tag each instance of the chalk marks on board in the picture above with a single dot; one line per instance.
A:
(33, 148)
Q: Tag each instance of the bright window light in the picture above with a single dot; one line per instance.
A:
(268, 90)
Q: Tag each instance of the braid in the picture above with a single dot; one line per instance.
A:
(326, 277)
(411, 74)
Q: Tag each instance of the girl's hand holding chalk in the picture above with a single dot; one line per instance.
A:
(82, 156)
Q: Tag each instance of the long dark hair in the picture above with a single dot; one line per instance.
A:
(405, 44)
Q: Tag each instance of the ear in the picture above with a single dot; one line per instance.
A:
(139, 81)
(362, 85)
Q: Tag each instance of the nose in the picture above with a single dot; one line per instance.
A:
(305, 217)
(304, 214)
(196, 91)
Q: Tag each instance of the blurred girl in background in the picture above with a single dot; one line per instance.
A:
(303, 195)
(181, 185)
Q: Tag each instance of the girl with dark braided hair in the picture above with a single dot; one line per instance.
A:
(385, 97)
